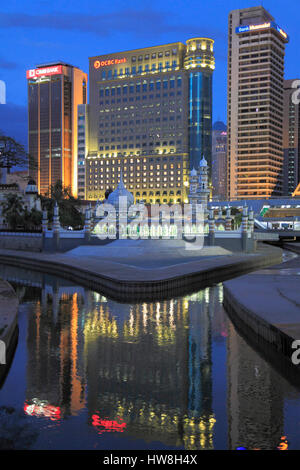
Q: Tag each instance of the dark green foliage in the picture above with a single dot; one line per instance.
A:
(17, 216)
(13, 154)
(69, 215)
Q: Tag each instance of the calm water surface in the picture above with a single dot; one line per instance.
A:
(92, 373)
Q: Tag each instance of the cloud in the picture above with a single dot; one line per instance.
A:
(145, 22)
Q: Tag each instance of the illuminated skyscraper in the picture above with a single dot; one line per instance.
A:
(291, 140)
(256, 49)
(54, 91)
(219, 161)
(150, 115)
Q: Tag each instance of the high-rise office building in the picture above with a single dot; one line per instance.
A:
(256, 49)
(219, 161)
(150, 113)
(82, 148)
(54, 91)
(291, 141)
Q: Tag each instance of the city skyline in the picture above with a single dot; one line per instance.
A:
(44, 33)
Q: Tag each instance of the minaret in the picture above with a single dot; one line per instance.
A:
(203, 189)
(193, 187)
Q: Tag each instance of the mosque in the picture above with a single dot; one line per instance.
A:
(199, 194)
(199, 189)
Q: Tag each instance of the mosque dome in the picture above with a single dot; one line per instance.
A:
(120, 191)
(219, 126)
(31, 187)
(193, 172)
(203, 162)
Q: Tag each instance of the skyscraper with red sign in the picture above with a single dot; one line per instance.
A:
(54, 91)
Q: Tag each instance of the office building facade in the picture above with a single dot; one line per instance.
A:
(54, 91)
(219, 161)
(82, 119)
(291, 142)
(149, 116)
(256, 49)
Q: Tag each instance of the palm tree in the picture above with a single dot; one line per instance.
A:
(12, 210)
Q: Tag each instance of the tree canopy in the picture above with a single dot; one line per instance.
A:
(13, 154)
(68, 213)
(17, 215)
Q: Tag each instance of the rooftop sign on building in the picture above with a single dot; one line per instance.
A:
(106, 63)
(254, 27)
(45, 71)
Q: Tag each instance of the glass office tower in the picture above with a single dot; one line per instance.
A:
(54, 92)
(149, 117)
(200, 63)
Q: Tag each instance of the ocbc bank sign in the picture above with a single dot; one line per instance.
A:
(107, 62)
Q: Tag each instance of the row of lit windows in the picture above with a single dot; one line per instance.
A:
(160, 67)
(153, 55)
(137, 137)
(138, 87)
(113, 118)
(138, 186)
(138, 98)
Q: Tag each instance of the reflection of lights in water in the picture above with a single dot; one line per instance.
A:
(171, 321)
(131, 322)
(157, 312)
(108, 425)
(99, 298)
(145, 319)
(220, 294)
(283, 444)
(41, 408)
(206, 295)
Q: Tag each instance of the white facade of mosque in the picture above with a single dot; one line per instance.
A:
(199, 190)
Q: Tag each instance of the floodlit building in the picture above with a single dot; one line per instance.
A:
(150, 113)
(219, 161)
(291, 142)
(54, 92)
(256, 49)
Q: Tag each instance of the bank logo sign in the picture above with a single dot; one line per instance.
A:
(107, 62)
(254, 27)
(35, 73)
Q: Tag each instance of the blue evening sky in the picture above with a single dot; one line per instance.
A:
(37, 31)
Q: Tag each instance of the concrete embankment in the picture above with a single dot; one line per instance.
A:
(125, 282)
(8, 325)
(266, 306)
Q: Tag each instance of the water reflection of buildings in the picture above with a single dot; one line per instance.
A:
(147, 365)
(255, 400)
(145, 370)
(152, 368)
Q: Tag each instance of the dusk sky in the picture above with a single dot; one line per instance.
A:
(38, 31)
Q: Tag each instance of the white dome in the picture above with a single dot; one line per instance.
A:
(120, 191)
(31, 187)
(194, 172)
(203, 162)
